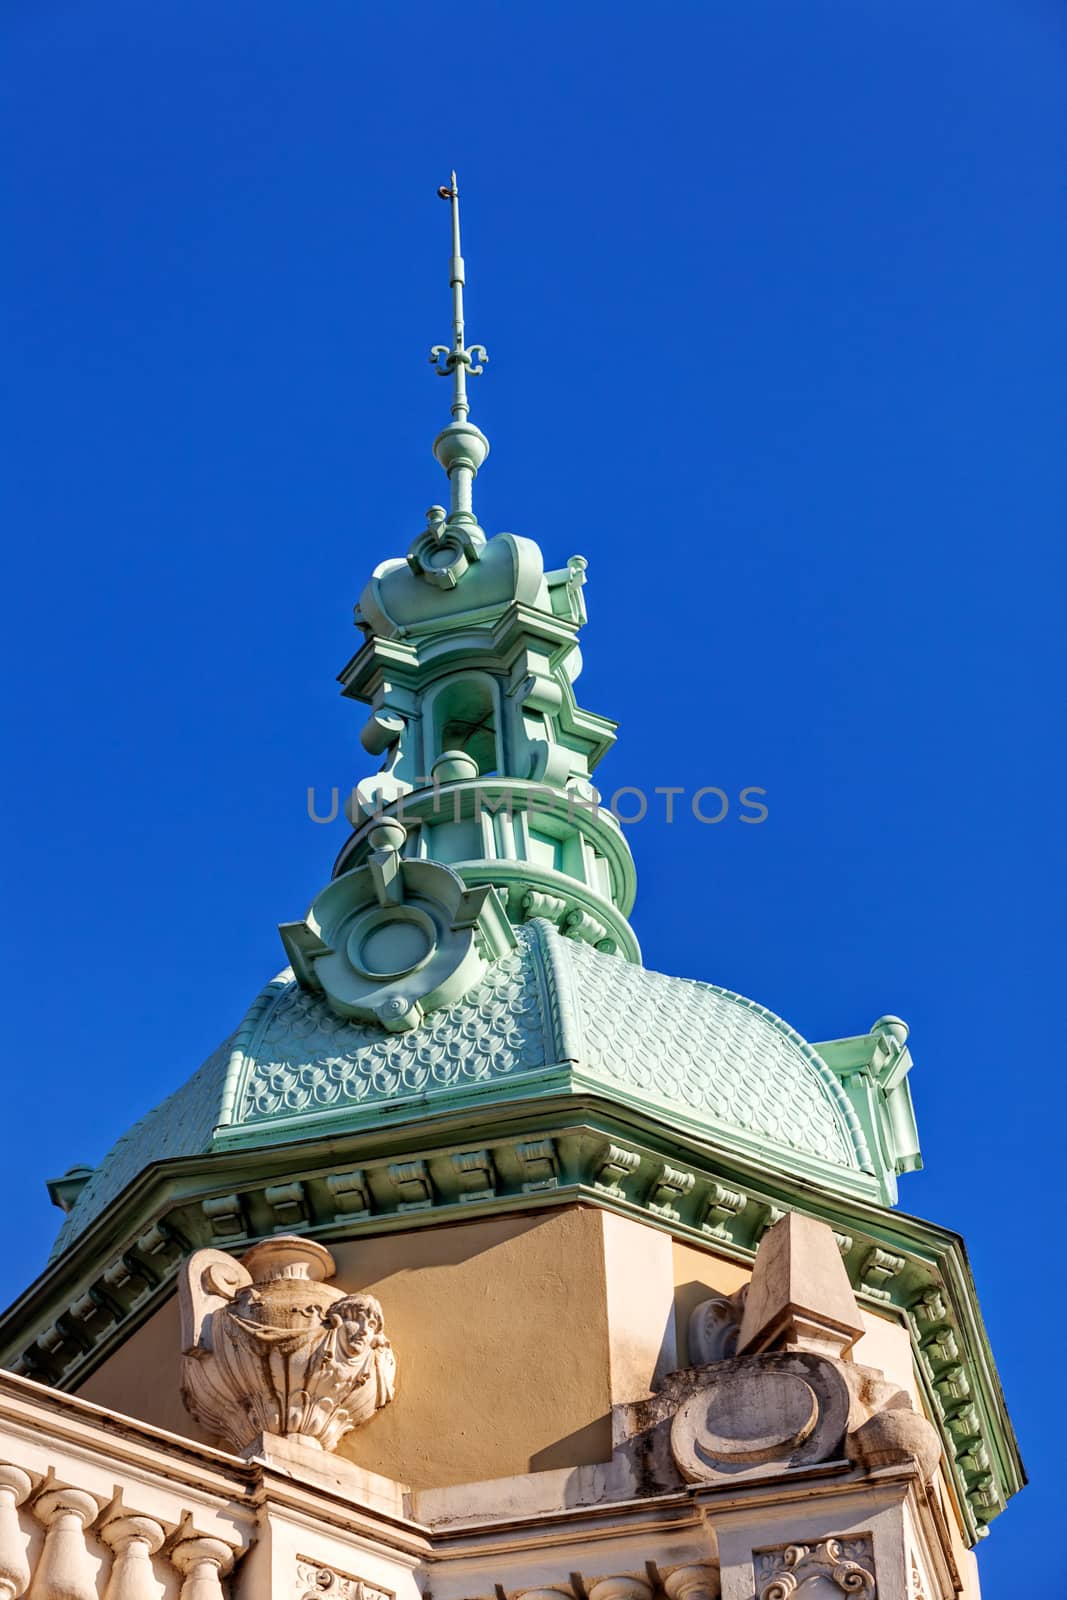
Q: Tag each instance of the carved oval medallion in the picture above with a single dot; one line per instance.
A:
(782, 1407)
(756, 1416)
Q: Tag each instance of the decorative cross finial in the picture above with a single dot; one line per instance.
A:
(461, 358)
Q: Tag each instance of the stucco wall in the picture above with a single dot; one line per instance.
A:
(501, 1333)
(514, 1336)
(500, 1329)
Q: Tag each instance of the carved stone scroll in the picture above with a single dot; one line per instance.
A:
(843, 1564)
(714, 1326)
(270, 1348)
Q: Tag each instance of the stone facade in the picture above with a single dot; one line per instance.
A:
(738, 1477)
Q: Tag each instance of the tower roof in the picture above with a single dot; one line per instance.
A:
(550, 1016)
(473, 944)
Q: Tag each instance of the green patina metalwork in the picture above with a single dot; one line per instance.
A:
(468, 665)
(551, 1016)
(535, 1061)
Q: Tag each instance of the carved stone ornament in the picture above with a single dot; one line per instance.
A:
(786, 1401)
(714, 1326)
(789, 1408)
(314, 1580)
(396, 938)
(270, 1348)
(816, 1569)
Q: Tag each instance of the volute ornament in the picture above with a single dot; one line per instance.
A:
(269, 1347)
(845, 1565)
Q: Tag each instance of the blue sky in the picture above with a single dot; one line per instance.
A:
(773, 298)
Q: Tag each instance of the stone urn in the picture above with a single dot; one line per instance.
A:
(270, 1347)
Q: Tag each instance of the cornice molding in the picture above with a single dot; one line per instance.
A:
(90, 1299)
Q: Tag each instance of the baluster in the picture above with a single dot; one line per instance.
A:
(65, 1570)
(134, 1541)
(15, 1485)
(625, 1586)
(692, 1583)
(202, 1562)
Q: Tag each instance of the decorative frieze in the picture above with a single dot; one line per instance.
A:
(536, 903)
(126, 1281)
(412, 1182)
(287, 1204)
(540, 1164)
(161, 1246)
(941, 1348)
(91, 1315)
(351, 1195)
(929, 1308)
(965, 1425)
(877, 1269)
(315, 1580)
(225, 1215)
(766, 1219)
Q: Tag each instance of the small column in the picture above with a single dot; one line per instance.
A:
(699, 1582)
(203, 1563)
(625, 1586)
(65, 1569)
(134, 1541)
(15, 1485)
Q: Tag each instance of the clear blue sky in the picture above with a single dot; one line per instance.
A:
(773, 296)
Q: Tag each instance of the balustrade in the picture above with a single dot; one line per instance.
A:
(70, 1567)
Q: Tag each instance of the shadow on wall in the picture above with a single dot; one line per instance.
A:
(591, 1443)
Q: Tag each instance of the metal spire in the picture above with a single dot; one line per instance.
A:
(457, 360)
(461, 447)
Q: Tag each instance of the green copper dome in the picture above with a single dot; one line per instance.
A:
(552, 1015)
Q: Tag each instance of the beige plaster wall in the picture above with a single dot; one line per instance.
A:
(514, 1336)
(501, 1333)
(140, 1379)
(500, 1329)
